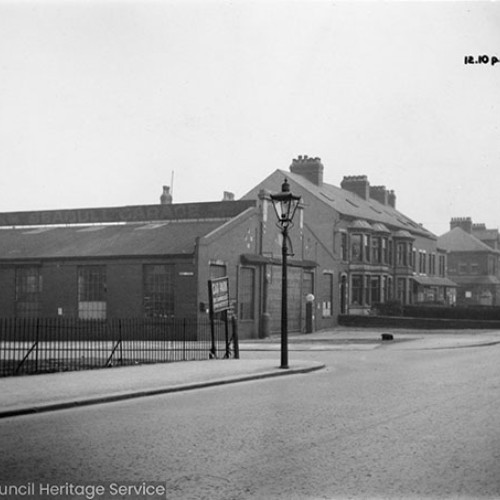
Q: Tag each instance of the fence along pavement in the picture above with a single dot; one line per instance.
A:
(41, 345)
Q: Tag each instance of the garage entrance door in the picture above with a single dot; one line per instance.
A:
(294, 276)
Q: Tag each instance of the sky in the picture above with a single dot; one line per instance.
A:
(104, 102)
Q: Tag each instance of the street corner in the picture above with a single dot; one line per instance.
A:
(306, 366)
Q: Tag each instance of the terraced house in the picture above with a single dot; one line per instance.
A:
(365, 250)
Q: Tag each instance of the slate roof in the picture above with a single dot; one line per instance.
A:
(458, 240)
(131, 239)
(476, 280)
(352, 205)
(434, 281)
(485, 234)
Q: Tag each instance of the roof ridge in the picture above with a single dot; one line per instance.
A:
(359, 207)
(484, 245)
(458, 230)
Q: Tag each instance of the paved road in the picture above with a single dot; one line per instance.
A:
(382, 423)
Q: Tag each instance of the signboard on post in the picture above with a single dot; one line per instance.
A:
(218, 297)
(218, 291)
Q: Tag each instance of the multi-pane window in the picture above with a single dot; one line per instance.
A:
(28, 290)
(432, 264)
(375, 289)
(492, 265)
(422, 267)
(92, 292)
(158, 290)
(401, 254)
(389, 290)
(343, 246)
(246, 299)
(367, 289)
(376, 250)
(385, 251)
(356, 248)
(357, 289)
(442, 265)
(366, 247)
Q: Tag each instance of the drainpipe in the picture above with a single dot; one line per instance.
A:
(265, 317)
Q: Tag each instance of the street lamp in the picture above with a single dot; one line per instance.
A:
(285, 205)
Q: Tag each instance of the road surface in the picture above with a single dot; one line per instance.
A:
(377, 423)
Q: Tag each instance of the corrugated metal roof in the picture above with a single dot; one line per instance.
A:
(458, 240)
(352, 205)
(129, 213)
(103, 241)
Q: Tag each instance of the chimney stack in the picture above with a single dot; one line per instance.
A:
(357, 184)
(380, 194)
(463, 222)
(166, 197)
(310, 168)
(391, 198)
(228, 196)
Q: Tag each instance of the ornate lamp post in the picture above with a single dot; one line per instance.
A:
(285, 205)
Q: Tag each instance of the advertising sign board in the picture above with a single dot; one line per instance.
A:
(219, 294)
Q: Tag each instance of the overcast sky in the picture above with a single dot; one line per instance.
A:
(100, 101)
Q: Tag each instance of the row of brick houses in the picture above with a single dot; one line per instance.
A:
(351, 249)
(367, 251)
(473, 261)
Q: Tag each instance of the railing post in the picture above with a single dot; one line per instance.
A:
(121, 344)
(37, 325)
(184, 339)
(226, 325)
(236, 344)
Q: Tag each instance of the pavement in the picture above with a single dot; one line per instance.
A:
(355, 339)
(30, 394)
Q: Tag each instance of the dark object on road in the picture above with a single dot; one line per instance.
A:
(387, 336)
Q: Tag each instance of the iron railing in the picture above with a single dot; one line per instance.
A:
(42, 345)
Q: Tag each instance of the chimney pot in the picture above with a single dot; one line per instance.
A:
(391, 198)
(357, 184)
(463, 222)
(309, 168)
(380, 194)
(166, 197)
